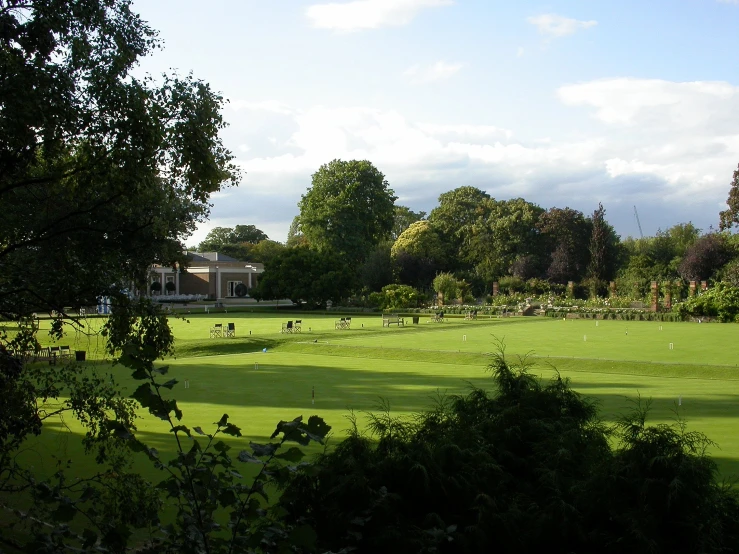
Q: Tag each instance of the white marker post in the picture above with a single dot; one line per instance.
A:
(680, 400)
(256, 365)
(585, 338)
(660, 327)
(187, 383)
(464, 338)
(596, 323)
(672, 346)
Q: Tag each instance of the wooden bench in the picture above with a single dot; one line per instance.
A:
(391, 319)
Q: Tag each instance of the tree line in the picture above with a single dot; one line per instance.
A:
(351, 239)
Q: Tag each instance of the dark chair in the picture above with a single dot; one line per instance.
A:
(231, 330)
(348, 323)
(287, 327)
(297, 328)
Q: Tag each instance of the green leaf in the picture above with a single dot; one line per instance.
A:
(170, 384)
(223, 421)
(262, 450)
(245, 456)
(232, 430)
(317, 427)
(144, 395)
(287, 426)
(198, 430)
(182, 428)
(221, 446)
(293, 454)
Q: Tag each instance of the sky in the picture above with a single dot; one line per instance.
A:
(569, 103)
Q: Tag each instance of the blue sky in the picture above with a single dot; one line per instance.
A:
(563, 103)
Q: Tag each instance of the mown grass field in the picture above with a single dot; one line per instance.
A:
(612, 362)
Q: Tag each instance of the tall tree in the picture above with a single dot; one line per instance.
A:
(705, 257)
(305, 275)
(101, 173)
(730, 217)
(264, 251)
(220, 236)
(348, 210)
(566, 235)
(418, 254)
(453, 218)
(377, 270)
(237, 242)
(505, 232)
(295, 236)
(603, 247)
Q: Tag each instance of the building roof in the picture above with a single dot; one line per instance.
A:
(210, 257)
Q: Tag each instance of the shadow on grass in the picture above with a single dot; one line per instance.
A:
(238, 345)
(271, 385)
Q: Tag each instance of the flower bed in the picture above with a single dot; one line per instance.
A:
(627, 314)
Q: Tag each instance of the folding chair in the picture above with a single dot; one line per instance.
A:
(231, 330)
(348, 323)
(341, 324)
(216, 330)
(65, 352)
(287, 327)
(297, 328)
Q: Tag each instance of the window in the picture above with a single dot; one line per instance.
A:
(170, 289)
(232, 288)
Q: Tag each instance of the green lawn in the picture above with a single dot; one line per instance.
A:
(612, 362)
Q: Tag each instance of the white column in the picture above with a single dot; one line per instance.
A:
(218, 284)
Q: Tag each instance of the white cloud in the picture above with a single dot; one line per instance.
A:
(558, 26)
(439, 71)
(520, 52)
(272, 106)
(684, 133)
(668, 147)
(657, 103)
(468, 131)
(368, 14)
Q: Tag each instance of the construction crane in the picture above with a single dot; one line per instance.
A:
(636, 214)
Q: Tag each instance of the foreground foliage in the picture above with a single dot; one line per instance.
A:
(526, 469)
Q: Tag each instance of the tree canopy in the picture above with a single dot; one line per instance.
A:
(348, 209)
(103, 172)
(730, 217)
(221, 236)
(305, 275)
